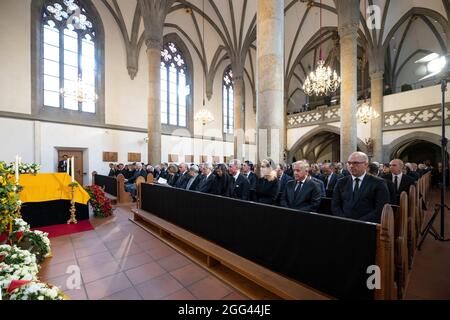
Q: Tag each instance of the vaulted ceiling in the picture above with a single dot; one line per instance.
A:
(223, 32)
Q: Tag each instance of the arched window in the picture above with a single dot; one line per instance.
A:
(228, 101)
(68, 56)
(174, 88)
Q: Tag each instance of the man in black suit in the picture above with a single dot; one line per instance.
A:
(329, 178)
(374, 169)
(112, 170)
(303, 193)
(247, 171)
(359, 196)
(283, 179)
(183, 178)
(401, 181)
(240, 186)
(130, 185)
(207, 183)
(62, 165)
(194, 178)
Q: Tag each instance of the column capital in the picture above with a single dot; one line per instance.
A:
(154, 43)
(377, 75)
(349, 30)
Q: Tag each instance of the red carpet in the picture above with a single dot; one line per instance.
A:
(58, 230)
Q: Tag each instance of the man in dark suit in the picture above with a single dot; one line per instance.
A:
(183, 178)
(374, 169)
(207, 183)
(194, 178)
(112, 170)
(401, 181)
(283, 179)
(329, 178)
(359, 196)
(130, 185)
(303, 193)
(62, 165)
(240, 186)
(247, 171)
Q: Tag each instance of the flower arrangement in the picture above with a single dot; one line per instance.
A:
(9, 201)
(24, 168)
(37, 243)
(100, 203)
(36, 291)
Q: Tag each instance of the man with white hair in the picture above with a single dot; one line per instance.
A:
(183, 176)
(240, 188)
(194, 178)
(207, 184)
(303, 193)
(359, 196)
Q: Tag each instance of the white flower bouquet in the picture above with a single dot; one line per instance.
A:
(36, 291)
(37, 243)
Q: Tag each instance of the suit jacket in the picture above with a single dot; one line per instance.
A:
(137, 173)
(404, 185)
(62, 166)
(267, 191)
(366, 205)
(240, 188)
(306, 198)
(283, 181)
(207, 184)
(182, 180)
(112, 173)
(252, 178)
(414, 174)
(194, 184)
(330, 183)
(323, 193)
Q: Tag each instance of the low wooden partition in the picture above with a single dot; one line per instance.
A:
(113, 186)
(270, 252)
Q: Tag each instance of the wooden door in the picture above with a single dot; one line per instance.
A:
(78, 162)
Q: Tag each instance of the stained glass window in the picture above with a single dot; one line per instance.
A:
(228, 101)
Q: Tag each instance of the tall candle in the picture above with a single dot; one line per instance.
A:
(16, 169)
(67, 166)
(72, 163)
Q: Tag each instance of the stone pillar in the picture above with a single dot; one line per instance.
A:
(270, 116)
(376, 101)
(154, 102)
(238, 98)
(348, 21)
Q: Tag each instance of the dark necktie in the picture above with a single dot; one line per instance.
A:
(298, 186)
(396, 184)
(356, 189)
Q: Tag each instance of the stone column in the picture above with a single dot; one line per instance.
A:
(376, 101)
(270, 80)
(238, 98)
(154, 101)
(348, 21)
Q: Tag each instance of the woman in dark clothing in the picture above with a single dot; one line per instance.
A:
(267, 186)
(172, 176)
(222, 186)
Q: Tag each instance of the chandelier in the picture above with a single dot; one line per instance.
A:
(80, 92)
(366, 113)
(323, 81)
(204, 115)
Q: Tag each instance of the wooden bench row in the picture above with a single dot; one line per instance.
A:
(122, 196)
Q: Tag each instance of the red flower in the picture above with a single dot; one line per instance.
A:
(15, 284)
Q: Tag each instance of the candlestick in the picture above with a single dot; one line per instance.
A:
(72, 210)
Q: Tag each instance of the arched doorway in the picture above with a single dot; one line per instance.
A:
(418, 151)
(321, 144)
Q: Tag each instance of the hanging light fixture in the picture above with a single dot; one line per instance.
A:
(203, 115)
(323, 80)
(365, 112)
(80, 92)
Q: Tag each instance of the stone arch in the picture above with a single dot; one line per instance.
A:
(308, 136)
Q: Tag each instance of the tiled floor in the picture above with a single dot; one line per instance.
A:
(119, 261)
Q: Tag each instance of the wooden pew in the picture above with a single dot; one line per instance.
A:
(401, 244)
(248, 276)
(122, 195)
(412, 212)
(139, 180)
(149, 178)
(110, 194)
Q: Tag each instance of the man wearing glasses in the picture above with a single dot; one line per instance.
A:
(359, 196)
